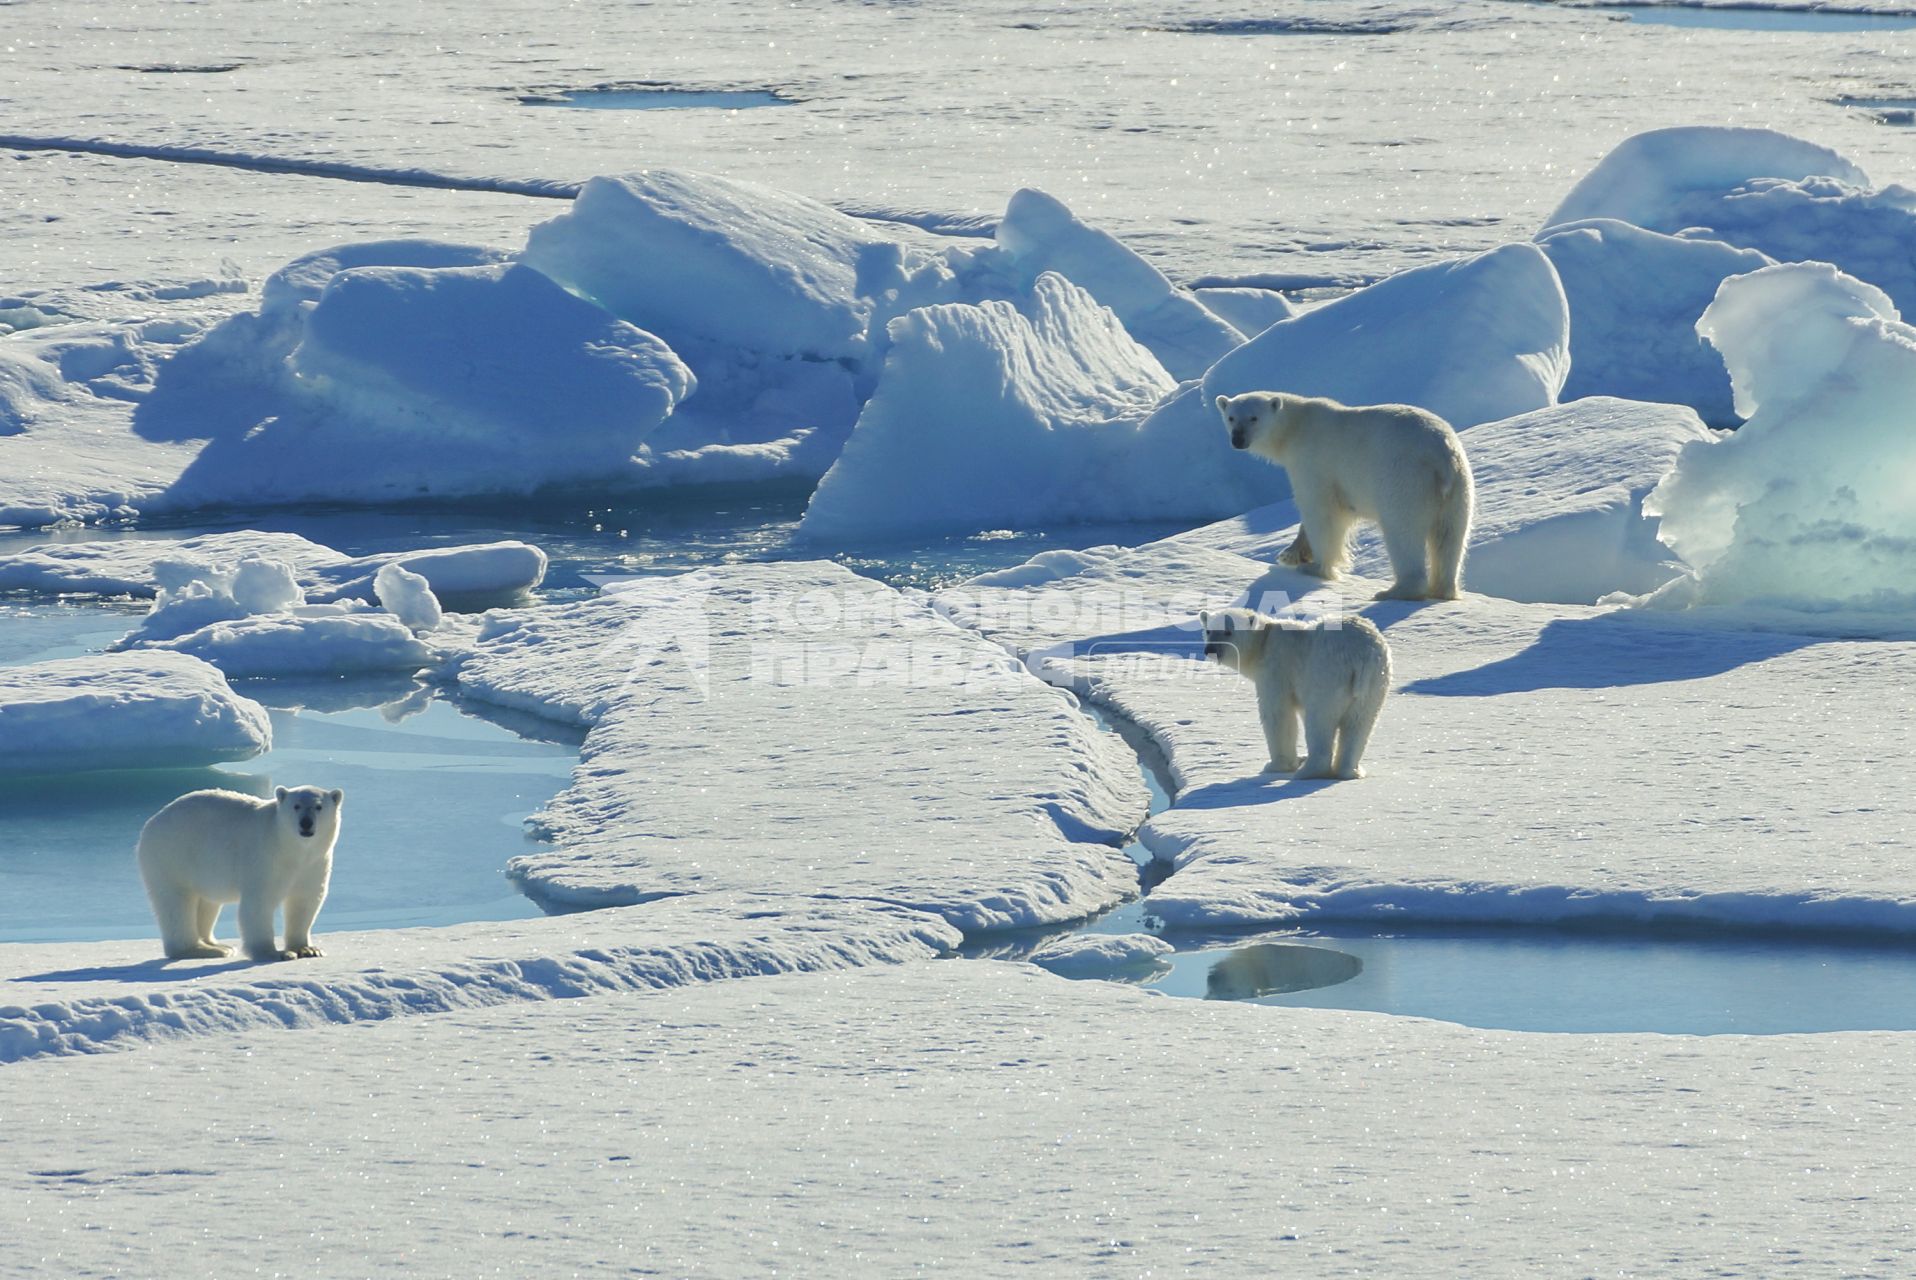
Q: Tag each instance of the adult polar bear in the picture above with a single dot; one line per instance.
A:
(1393, 463)
(208, 848)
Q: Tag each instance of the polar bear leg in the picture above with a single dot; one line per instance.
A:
(256, 928)
(1277, 712)
(1320, 736)
(207, 915)
(302, 908)
(1448, 537)
(177, 912)
(1353, 735)
(1407, 542)
(1324, 526)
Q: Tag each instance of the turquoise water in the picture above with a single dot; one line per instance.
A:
(435, 802)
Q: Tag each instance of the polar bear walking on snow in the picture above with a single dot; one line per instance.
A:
(1393, 463)
(208, 848)
(1334, 676)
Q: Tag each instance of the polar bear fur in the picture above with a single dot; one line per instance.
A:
(208, 848)
(1396, 464)
(1333, 674)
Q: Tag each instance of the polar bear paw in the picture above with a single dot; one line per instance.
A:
(200, 951)
(266, 954)
(307, 952)
(1281, 766)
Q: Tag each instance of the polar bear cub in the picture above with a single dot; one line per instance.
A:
(213, 847)
(1334, 676)
(1393, 463)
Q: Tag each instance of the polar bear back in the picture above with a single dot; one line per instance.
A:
(1346, 656)
(1371, 452)
(210, 840)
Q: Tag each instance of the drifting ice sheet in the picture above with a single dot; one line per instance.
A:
(124, 711)
(798, 730)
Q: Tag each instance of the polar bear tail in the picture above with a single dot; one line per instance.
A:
(1449, 534)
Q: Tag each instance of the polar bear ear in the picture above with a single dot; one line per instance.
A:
(279, 793)
(1223, 402)
(338, 796)
(1204, 619)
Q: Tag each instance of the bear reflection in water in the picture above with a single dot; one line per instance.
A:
(1269, 969)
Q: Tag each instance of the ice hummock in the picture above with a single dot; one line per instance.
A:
(1472, 340)
(411, 382)
(1038, 234)
(124, 711)
(1001, 416)
(1757, 189)
(1635, 297)
(1811, 503)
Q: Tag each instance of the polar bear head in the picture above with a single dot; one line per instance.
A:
(309, 812)
(1233, 636)
(1254, 419)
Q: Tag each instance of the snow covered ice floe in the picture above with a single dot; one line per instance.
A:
(795, 729)
(1133, 957)
(60, 999)
(1496, 1153)
(124, 711)
(1757, 189)
(1808, 506)
(1635, 297)
(998, 415)
(1787, 817)
(1560, 496)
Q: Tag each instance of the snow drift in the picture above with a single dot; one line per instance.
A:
(1813, 501)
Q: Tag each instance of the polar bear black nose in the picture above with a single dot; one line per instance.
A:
(1237, 439)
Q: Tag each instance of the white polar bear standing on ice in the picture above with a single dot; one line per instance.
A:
(1336, 676)
(208, 848)
(1393, 463)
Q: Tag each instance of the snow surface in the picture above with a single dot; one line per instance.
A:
(1809, 503)
(796, 729)
(315, 641)
(1635, 297)
(1560, 496)
(61, 999)
(974, 1118)
(124, 711)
